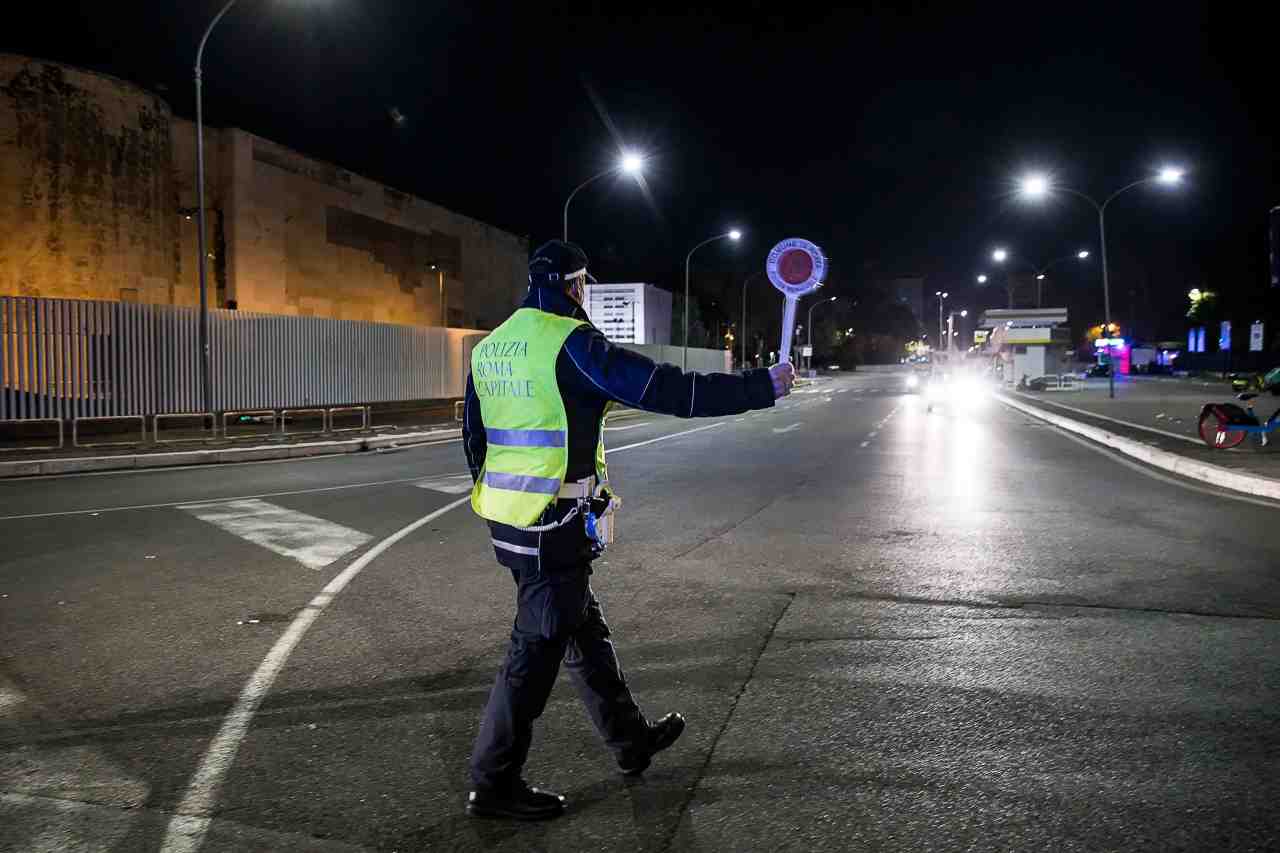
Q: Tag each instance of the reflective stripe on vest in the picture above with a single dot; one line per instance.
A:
(527, 437)
(513, 371)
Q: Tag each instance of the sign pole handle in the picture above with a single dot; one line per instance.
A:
(788, 327)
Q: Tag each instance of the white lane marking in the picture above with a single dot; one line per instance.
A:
(841, 390)
(663, 438)
(738, 420)
(628, 426)
(365, 485)
(458, 484)
(312, 541)
(190, 823)
(873, 434)
(787, 428)
(191, 820)
(864, 444)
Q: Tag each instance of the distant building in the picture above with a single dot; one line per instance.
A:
(97, 201)
(631, 313)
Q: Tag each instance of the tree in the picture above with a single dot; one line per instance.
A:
(697, 330)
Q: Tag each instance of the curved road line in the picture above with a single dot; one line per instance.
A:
(190, 823)
(191, 819)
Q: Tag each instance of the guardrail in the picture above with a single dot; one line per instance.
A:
(139, 419)
(249, 413)
(286, 413)
(202, 416)
(19, 423)
(364, 418)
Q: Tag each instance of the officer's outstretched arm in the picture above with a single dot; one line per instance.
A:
(590, 364)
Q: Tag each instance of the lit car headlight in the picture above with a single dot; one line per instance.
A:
(913, 381)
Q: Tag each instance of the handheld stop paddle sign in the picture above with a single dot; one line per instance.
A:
(796, 267)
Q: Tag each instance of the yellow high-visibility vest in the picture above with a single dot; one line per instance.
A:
(513, 371)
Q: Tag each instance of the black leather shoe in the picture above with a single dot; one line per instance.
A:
(520, 803)
(661, 735)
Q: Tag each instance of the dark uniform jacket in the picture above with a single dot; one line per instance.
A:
(592, 372)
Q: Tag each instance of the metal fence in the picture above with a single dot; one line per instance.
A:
(65, 358)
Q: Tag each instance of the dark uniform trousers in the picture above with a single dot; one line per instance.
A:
(557, 618)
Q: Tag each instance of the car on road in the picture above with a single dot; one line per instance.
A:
(1097, 371)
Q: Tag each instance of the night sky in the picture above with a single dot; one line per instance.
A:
(890, 137)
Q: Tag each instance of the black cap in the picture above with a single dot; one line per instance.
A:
(555, 261)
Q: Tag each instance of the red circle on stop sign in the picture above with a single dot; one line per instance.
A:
(795, 266)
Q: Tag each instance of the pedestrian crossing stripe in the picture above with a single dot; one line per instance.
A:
(314, 542)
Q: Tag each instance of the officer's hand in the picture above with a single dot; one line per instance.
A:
(783, 376)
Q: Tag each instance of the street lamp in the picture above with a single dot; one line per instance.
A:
(1037, 186)
(206, 378)
(1040, 272)
(982, 278)
(629, 163)
(999, 255)
(951, 319)
(732, 234)
(810, 338)
(942, 296)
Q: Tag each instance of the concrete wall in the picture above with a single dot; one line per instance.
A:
(86, 193)
(98, 198)
(307, 238)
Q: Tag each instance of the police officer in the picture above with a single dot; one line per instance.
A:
(539, 388)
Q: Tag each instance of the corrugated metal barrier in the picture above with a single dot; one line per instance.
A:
(66, 358)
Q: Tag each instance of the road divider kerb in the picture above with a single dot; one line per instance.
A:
(222, 455)
(1205, 472)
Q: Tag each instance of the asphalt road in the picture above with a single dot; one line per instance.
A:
(889, 630)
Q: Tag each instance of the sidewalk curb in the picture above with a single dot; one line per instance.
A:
(214, 456)
(1214, 475)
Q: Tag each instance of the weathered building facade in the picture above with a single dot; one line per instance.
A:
(97, 201)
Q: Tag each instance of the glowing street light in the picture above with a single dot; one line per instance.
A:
(982, 278)
(629, 163)
(1082, 254)
(1000, 256)
(1036, 186)
(733, 234)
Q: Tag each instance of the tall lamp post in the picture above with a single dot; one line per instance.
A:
(733, 234)
(1037, 186)
(951, 322)
(942, 297)
(629, 163)
(206, 378)
(810, 338)
(743, 331)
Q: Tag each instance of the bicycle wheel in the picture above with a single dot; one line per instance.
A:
(1217, 434)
